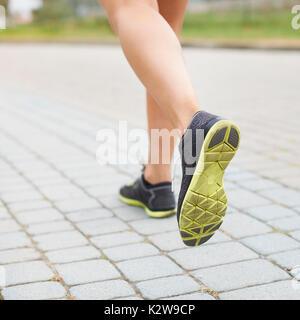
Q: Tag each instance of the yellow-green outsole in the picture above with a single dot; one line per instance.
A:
(152, 214)
(205, 201)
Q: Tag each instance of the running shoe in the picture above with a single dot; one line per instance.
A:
(206, 149)
(158, 199)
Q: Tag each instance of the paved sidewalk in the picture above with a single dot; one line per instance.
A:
(257, 89)
(65, 235)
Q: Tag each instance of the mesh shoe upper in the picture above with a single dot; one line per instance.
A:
(158, 197)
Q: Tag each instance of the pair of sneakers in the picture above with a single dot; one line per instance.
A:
(202, 199)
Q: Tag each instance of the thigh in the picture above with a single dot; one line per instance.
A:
(173, 11)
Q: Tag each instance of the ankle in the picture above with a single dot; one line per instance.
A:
(157, 173)
(183, 120)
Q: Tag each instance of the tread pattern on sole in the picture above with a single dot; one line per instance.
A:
(233, 138)
(205, 202)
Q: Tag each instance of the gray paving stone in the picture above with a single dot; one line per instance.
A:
(297, 209)
(148, 268)
(87, 271)
(170, 241)
(25, 272)
(50, 227)
(240, 274)
(36, 169)
(4, 213)
(93, 214)
(291, 181)
(285, 174)
(151, 226)
(284, 196)
(77, 204)
(282, 290)
(13, 182)
(288, 259)
(286, 224)
(296, 235)
(271, 243)
(130, 298)
(9, 183)
(242, 199)
(295, 273)
(29, 206)
(234, 169)
(18, 255)
(116, 239)
(73, 254)
(130, 213)
(62, 192)
(38, 216)
(270, 212)
(9, 225)
(131, 251)
(111, 178)
(34, 174)
(212, 255)
(167, 287)
(35, 291)
(102, 226)
(239, 225)
(192, 296)
(258, 184)
(231, 210)
(11, 197)
(41, 182)
(18, 187)
(228, 185)
(241, 176)
(84, 171)
(102, 290)
(112, 202)
(103, 190)
(95, 181)
(14, 240)
(61, 240)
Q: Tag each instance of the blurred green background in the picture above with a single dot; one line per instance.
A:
(211, 20)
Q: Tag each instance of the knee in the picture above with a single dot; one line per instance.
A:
(118, 10)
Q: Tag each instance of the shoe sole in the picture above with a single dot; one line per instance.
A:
(205, 201)
(152, 214)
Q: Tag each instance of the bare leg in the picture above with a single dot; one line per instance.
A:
(173, 11)
(154, 52)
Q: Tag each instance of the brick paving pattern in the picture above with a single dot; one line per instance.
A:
(65, 235)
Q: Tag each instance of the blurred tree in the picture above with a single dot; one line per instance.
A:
(4, 3)
(82, 8)
(54, 11)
